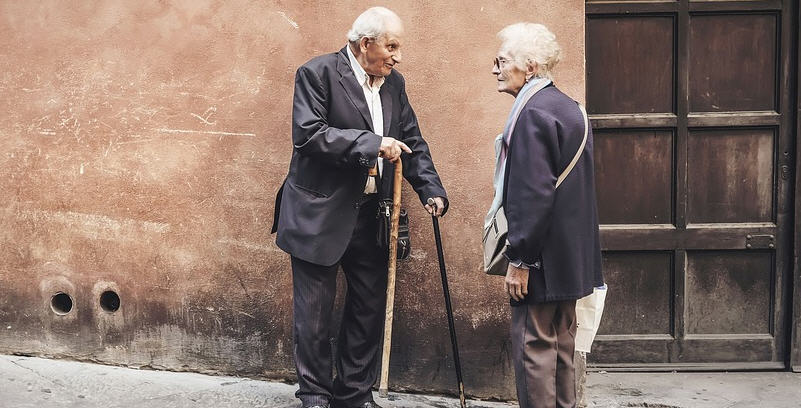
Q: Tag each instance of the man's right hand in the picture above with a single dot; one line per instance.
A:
(392, 148)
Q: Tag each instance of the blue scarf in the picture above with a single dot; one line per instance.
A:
(502, 141)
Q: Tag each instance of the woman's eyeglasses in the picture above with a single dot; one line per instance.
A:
(499, 62)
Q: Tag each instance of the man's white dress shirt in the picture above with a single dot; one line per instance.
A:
(373, 98)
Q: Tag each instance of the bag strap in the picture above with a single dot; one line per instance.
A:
(522, 105)
(570, 166)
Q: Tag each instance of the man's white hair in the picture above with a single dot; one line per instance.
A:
(528, 43)
(373, 23)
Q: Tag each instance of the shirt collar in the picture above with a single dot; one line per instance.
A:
(361, 75)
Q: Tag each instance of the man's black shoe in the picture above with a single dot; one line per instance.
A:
(318, 406)
(369, 404)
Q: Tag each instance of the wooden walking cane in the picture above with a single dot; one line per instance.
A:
(383, 390)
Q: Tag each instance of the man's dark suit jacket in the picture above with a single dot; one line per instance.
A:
(556, 230)
(334, 147)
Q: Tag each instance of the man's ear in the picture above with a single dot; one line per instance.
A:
(363, 43)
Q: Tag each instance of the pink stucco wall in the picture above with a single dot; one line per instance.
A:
(141, 145)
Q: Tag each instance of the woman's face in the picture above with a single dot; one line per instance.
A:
(510, 78)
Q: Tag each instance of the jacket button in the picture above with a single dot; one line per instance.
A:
(356, 205)
(537, 265)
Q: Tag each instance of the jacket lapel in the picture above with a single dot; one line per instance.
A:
(386, 107)
(352, 87)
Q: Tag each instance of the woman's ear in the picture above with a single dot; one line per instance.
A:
(531, 69)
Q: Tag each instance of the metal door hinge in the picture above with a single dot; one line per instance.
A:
(785, 172)
(760, 241)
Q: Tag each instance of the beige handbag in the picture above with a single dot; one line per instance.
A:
(495, 263)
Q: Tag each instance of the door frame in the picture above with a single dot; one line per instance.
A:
(795, 325)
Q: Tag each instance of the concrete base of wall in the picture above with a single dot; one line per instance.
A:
(580, 362)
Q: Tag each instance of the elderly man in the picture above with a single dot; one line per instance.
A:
(351, 121)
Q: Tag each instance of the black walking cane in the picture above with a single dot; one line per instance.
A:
(448, 307)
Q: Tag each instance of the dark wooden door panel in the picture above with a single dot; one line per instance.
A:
(730, 175)
(646, 279)
(693, 237)
(719, 351)
(690, 105)
(732, 64)
(624, 196)
(639, 351)
(686, 353)
(615, 85)
(729, 292)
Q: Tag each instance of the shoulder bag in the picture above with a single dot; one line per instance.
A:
(495, 263)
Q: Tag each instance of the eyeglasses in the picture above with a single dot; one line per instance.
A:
(499, 62)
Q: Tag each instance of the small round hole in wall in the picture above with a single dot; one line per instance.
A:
(61, 303)
(110, 301)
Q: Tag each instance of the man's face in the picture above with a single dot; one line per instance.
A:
(510, 78)
(383, 53)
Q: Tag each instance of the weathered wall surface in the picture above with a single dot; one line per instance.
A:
(141, 145)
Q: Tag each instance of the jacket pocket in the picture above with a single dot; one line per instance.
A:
(310, 191)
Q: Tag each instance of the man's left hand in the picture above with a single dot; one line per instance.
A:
(438, 208)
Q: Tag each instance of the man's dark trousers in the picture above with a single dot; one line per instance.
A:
(365, 267)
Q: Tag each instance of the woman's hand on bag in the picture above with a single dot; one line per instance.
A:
(516, 282)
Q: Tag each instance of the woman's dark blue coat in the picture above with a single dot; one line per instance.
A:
(554, 230)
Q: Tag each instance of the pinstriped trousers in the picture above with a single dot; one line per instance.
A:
(543, 342)
(314, 288)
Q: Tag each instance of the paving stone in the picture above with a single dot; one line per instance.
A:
(28, 382)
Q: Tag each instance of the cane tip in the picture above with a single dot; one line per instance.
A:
(383, 393)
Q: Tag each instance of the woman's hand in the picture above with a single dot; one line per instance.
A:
(516, 282)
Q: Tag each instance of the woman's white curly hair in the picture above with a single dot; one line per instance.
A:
(528, 43)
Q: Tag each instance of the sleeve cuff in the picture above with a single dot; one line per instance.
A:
(519, 263)
(370, 158)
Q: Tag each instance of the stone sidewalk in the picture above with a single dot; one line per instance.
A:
(690, 390)
(27, 382)
(41, 383)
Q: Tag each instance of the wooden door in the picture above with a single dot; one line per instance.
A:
(692, 110)
(795, 339)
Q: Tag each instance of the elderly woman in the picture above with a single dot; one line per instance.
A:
(545, 185)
